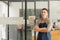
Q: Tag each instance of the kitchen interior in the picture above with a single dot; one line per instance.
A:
(12, 18)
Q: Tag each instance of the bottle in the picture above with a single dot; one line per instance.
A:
(54, 25)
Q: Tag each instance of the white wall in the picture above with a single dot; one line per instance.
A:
(41, 4)
(14, 9)
(55, 9)
(55, 12)
(3, 13)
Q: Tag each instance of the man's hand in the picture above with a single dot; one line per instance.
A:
(43, 30)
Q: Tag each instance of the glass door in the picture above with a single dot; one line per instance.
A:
(16, 11)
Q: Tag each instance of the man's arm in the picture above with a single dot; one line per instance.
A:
(48, 29)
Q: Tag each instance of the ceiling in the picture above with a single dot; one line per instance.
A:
(27, 0)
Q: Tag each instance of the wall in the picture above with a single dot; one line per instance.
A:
(3, 13)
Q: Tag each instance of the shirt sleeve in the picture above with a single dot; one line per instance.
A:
(50, 25)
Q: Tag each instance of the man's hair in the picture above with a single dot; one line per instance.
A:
(45, 9)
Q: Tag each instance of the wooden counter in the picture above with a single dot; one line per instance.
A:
(55, 35)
